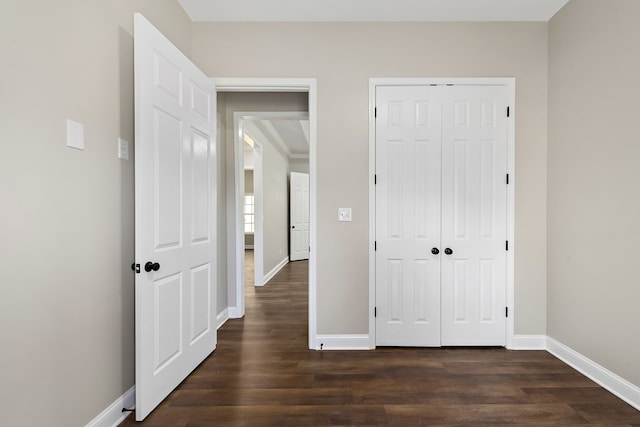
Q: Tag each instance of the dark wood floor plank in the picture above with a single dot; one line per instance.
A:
(262, 374)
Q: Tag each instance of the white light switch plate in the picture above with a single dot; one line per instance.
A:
(123, 149)
(344, 214)
(75, 135)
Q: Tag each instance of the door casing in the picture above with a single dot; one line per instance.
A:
(510, 84)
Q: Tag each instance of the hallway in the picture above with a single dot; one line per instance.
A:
(262, 374)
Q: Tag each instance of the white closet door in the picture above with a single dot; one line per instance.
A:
(408, 140)
(474, 190)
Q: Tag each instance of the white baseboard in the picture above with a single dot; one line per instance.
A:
(607, 379)
(222, 318)
(113, 415)
(529, 342)
(235, 313)
(274, 271)
(343, 342)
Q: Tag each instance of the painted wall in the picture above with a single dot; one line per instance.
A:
(248, 181)
(593, 182)
(66, 221)
(342, 57)
(299, 165)
(232, 102)
(275, 167)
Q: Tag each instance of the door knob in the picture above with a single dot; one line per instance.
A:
(293, 226)
(448, 251)
(149, 266)
(435, 251)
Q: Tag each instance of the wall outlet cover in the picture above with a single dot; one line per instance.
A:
(344, 214)
(123, 149)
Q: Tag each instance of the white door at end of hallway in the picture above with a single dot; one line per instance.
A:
(299, 216)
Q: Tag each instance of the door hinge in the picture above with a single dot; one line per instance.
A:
(508, 111)
(507, 179)
(375, 245)
(375, 113)
(506, 246)
(506, 312)
(375, 179)
(375, 311)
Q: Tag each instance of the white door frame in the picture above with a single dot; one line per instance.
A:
(510, 83)
(280, 85)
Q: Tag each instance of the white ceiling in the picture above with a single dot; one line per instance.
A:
(371, 10)
(290, 135)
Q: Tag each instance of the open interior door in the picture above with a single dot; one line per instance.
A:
(175, 222)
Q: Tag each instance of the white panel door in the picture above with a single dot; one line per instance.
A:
(299, 216)
(408, 152)
(175, 216)
(474, 208)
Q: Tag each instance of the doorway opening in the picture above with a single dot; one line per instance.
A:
(262, 90)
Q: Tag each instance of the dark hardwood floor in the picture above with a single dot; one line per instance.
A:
(262, 374)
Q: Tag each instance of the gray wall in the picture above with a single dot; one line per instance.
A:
(299, 165)
(342, 57)
(248, 181)
(275, 170)
(66, 236)
(593, 182)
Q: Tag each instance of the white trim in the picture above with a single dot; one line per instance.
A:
(344, 342)
(274, 271)
(267, 84)
(372, 212)
(225, 84)
(510, 83)
(222, 318)
(529, 342)
(235, 313)
(511, 209)
(113, 415)
(607, 379)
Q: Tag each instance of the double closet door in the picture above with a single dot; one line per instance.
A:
(441, 215)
